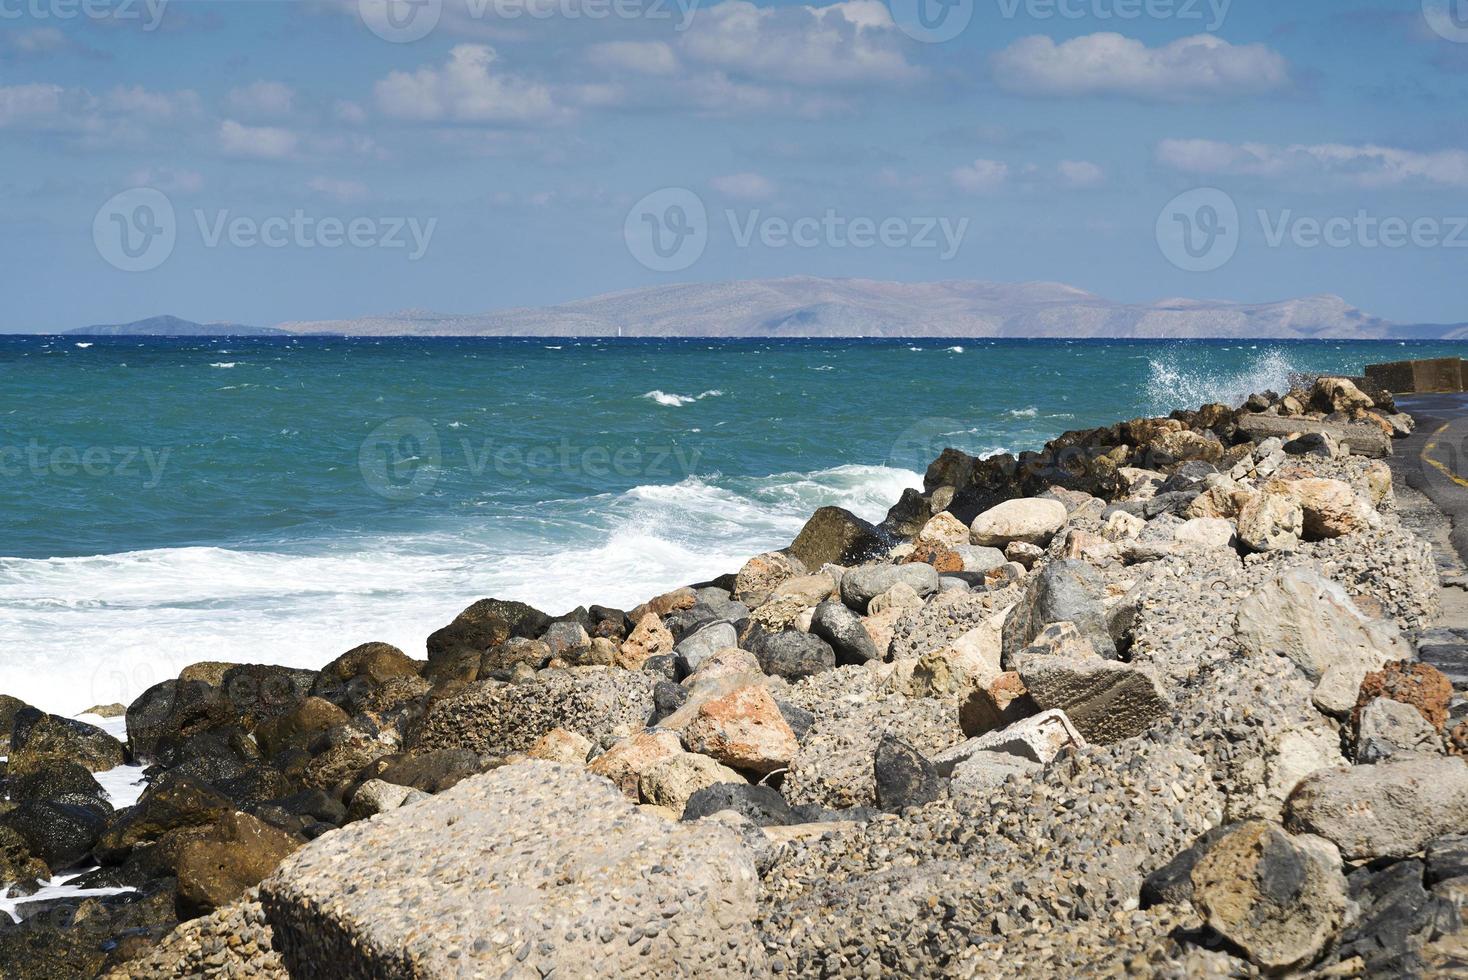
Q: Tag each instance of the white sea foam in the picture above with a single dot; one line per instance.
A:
(676, 401)
(83, 346)
(57, 887)
(96, 630)
(955, 350)
(1023, 413)
(224, 364)
(1174, 383)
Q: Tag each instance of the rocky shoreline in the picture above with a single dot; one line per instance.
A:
(1146, 702)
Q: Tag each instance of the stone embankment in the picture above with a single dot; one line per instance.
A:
(1146, 702)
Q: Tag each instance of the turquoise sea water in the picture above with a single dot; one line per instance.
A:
(268, 500)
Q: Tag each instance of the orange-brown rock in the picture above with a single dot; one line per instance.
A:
(744, 730)
(995, 705)
(1422, 686)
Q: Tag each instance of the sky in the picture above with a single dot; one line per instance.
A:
(267, 161)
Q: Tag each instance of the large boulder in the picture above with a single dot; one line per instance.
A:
(649, 638)
(794, 655)
(636, 895)
(37, 736)
(903, 776)
(842, 629)
(172, 802)
(168, 718)
(1279, 898)
(1330, 508)
(1390, 809)
(1106, 700)
(671, 782)
(60, 834)
(235, 856)
(1068, 591)
(495, 719)
(744, 730)
(1031, 520)
(762, 574)
(487, 623)
(859, 586)
(1385, 727)
(1268, 522)
(626, 761)
(834, 536)
(1310, 620)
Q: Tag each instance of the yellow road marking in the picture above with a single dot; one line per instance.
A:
(1431, 445)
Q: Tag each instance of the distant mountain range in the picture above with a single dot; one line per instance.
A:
(804, 306)
(172, 326)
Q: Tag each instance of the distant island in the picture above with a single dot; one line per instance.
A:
(172, 326)
(807, 306)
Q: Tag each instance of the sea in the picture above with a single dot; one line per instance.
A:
(281, 500)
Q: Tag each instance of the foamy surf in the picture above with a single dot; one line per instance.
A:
(102, 629)
(676, 401)
(1175, 382)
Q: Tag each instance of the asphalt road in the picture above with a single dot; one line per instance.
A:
(1434, 461)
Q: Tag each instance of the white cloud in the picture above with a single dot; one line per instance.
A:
(29, 103)
(981, 176)
(464, 90)
(640, 57)
(144, 105)
(1189, 69)
(263, 99)
(257, 142)
(843, 43)
(1080, 173)
(167, 179)
(745, 186)
(1366, 165)
(350, 113)
(338, 188)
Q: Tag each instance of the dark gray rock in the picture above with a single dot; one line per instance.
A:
(1067, 590)
(794, 655)
(843, 630)
(1192, 475)
(836, 536)
(37, 735)
(667, 698)
(859, 586)
(55, 779)
(796, 717)
(668, 666)
(1446, 857)
(904, 777)
(1397, 914)
(61, 834)
(760, 804)
(1175, 503)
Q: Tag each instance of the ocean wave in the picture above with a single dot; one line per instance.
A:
(676, 401)
(1173, 384)
(101, 629)
(224, 364)
(1023, 413)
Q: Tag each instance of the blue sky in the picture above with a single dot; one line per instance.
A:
(1056, 131)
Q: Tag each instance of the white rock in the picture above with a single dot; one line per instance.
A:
(1034, 520)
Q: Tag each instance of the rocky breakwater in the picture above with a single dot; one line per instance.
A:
(1145, 701)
